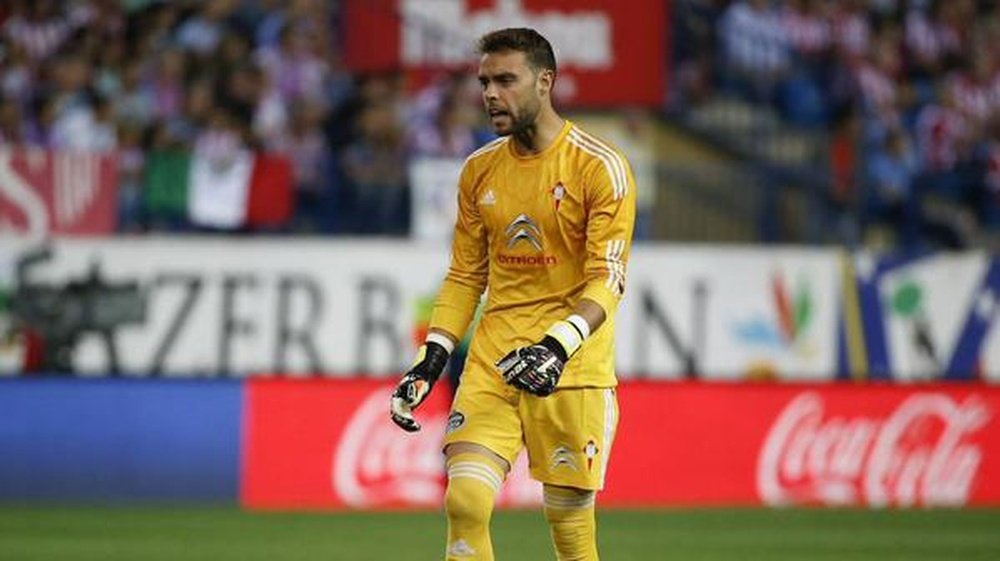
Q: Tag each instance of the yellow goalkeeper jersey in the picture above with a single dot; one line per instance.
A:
(538, 233)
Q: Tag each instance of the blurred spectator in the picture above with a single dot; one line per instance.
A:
(40, 27)
(44, 111)
(756, 47)
(135, 103)
(240, 91)
(375, 167)
(87, 128)
(16, 75)
(131, 166)
(183, 130)
(891, 200)
(13, 130)
(167, 83)
(294, 66)
(801, 96)
(990, 207)
(306, 146)
(808, 27)
(202, 33)
(222, 140)
(847, 177)
(973, 88)
(932, 37)
(877, 79)
(693, 51)
(851, 30)
(942, 134)
(450, 132)
(280, 13)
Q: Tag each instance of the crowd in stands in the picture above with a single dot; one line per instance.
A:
(906, 91)
(909, 91)
(218, 77)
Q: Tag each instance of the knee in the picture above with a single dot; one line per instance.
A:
(463, 503)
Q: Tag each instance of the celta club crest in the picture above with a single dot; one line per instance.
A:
(590, 451)
(523, 228)
(558, 194)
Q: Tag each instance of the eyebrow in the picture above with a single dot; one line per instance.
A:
(499, 76)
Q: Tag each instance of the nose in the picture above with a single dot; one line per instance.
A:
(490, 92)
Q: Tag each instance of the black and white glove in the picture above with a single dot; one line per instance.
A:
(535, 369)
(416, 385)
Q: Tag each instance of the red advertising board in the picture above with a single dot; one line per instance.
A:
(609, 53)
(330, 444)
(44, 193)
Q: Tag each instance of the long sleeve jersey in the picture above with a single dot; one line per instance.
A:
(538, 233)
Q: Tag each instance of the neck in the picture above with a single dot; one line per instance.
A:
(539, 135)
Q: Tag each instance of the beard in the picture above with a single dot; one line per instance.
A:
(521, 122)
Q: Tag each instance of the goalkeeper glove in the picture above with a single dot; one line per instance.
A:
(537, 368)
(416, 384)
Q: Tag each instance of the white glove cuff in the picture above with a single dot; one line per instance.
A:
(581, 324)
(444, 341)
(570, 332)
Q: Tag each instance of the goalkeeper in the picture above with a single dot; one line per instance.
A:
(545, 220)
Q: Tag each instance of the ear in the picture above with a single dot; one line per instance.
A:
(546, 79)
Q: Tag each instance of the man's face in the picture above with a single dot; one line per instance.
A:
(512, 92)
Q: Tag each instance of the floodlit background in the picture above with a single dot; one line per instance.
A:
(224, 223)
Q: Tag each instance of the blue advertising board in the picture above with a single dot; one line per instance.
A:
(115, 439)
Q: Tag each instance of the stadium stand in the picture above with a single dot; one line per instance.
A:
(865, 123)
(882, 114)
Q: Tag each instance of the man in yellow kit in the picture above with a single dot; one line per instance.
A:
(545, 220)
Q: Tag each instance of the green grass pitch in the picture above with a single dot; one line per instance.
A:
(34, 533)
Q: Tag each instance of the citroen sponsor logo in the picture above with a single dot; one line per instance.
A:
(563, 456)
(524, 229)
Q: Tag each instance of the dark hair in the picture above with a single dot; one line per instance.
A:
(536, 48)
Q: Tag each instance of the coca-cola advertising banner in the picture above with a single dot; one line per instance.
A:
(45, 193)
(330, 444)
(608, 53)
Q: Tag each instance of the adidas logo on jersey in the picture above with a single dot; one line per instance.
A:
(461, 548)
(489, 199)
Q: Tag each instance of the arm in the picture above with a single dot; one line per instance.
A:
(611, 200)
(453, 311)
(591, 312)
(465, 282)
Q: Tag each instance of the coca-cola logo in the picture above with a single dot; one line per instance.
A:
(377, 464)
(922, 452)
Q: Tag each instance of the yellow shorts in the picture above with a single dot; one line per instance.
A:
(568, 434)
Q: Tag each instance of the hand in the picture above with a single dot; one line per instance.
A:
(416, 385)
(535, 369)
